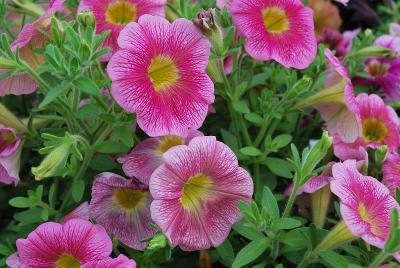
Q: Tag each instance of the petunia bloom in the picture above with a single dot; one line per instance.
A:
(73, 244)
(80, 212)
(365, 203)
(276, 30)
(391, 172)
(147, 156)
(123, 207)
(159, 73)
(196, 191)
(114, 15)
(340, 42)
(10, 152)
(120, 262)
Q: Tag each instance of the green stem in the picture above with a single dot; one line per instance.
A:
(381, 257)
(292, 198)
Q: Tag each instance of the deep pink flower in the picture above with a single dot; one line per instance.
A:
(10, 152)
(147, 156)
(123, 207)
(80, 212)
(365, 203)
(120, 262)
(391, 172)
(276, 30)
(72, 244)
(196, 191)
(114, 15)
(159, 73)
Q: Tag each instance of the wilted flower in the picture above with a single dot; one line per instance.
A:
(10, 153)
(147, 156)
(76, 243)
(196, 191)
(123, 207)
(276, 30)
(159, 73)
(115, 15)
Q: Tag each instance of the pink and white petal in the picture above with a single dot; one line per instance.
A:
(120, 262)
(19, 84)
(394, 29)
(14, 261)
(10, 166)
(238, 185)
(166, 184)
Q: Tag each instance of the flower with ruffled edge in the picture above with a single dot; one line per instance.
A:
(365, 203)
(147, 156)
(80, 212)
(159, 73)
(72, 244)
(120, 262)
(123, 207)
(391, 172)
(276, 30)
(10, 155)
(114, 15)
(196, 192)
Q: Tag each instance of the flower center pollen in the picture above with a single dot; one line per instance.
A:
(168, 142)
(377, 69)
(374, 130)
(128, 199)
(195, 191)
(275, 20)
(163, 72)
(366, 216)
(6, 139)
(67, 261)
(121, 13)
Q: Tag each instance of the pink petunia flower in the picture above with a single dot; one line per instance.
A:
(120, 262)
(14, 261)
(346, 151)
(147, 156)
(72, 244)
(123, 208)
(114, 15)
(159, 73)
(365, 203)
(10, 154)
(391, 172)
(196, 191)
(80, 212)
(276, 30)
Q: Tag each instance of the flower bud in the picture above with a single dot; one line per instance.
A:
(380, 154)
(87, 18)
(340, 234)
(375, 52)
(7, 64)
(157, 242)
(9, 120)
(26, 7)
(208, 23)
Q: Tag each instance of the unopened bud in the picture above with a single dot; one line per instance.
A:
(375, 52)
(87, 18)
(208, 23)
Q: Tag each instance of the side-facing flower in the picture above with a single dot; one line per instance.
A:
(276, 30)
(10, 153)
(147, 156)
(159, 73)
(80, 212)
(72, 244)
(196, 191)
(391, 172)
(114, 15)
(365, 203)
(123, 207)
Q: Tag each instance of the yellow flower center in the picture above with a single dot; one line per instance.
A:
(168, 142)
(163, 72)
(128, 199)
(6, 138)
(195, 191)
(365, 216)
(67, 261)
(374, 130)
(377, 69)
(121, 12)
(275, 20)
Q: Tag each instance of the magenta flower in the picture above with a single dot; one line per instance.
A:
(196, 191)
(80, 212)
(346, 151)
(115, 15)
(365, 203)
(160, 74)
(10, 152)
(147, 156)
(276, 30)
(73, 244)
(391, 172)
(123, 208)
(120, 262)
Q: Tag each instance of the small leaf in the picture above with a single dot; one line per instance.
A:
(251, 252)
(20, 202)
(282, 141)
(112, 147)
(241, 107)
(29, 216)
(240, 90)
(279, 166)
(287, 224)
(87, 85)
(78, 188)
(250, 151)
(269, 202)
(254, 118)
(334, 259)
(54, 93)
(225, 252)
(103, 163)
(52, 195)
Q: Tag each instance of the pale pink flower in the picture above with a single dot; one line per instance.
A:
(394, 29)
(10, 156)
(80, 212)
(147, 156)
(14, 261)
(123, 207)
(346, 151)
(196, 192)
(391, 172)
(276, 30)
(75, 243)
(114, 15)
(159, 73)
(365, 203)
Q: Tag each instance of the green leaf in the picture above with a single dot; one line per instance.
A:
(240, 107)
(44, 214)
(250, 151)
(254, 118)
(124, 135)
(240, 90)
(333, 259)
(225, 252)
(20, 202)
(282, 141)
(287, 223)
(269, 202)
(228, 37)
(251, 252)
(86, 85)
(112, 147)
(259, 79)
(279, 166)
(52, 195)
(5, 251)
(103, 163)
(78, 188)
(88, 111)
(54, 93)
(247, 230)
(29, 216)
